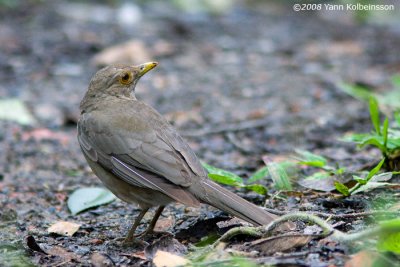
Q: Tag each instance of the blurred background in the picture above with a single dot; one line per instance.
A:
(242, 80)
(221, 62)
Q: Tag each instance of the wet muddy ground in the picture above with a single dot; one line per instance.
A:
(260, 63)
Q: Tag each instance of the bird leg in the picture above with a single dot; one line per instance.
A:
(131, 234)
(153, 222)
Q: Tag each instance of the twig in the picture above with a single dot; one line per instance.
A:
(329, 230)
(243, 230)
(234, 127)
(341, 216)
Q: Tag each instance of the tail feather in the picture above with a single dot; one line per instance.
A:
(225, 200)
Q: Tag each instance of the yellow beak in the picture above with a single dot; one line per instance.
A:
(144, 68)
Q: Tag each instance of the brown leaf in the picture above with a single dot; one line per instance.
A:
(166, 243)
(64, 228)
(281, 243)
(166, 259)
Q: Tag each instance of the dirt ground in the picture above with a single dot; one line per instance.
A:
(219, 67)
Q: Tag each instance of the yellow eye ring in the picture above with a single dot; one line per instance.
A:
(126, 78)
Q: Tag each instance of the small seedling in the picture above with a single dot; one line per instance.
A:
(386, 139)
(228, 178)
(313, 160)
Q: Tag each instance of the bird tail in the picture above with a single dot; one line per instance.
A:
(223, 199)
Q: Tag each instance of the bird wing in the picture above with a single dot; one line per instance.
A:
(141, 154)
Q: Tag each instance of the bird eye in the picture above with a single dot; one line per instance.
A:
(126, 78)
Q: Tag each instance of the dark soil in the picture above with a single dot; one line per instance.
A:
(252, 62)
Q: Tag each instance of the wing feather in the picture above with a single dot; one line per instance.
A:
(147, 157)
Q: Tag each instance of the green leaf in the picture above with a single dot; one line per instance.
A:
(356, 91)
(374, 140)
(222, 179)
(339, 171)
(220, 172)
(207, 240)
(360, 180)
(279, 176)
(390, 224)
(385, 132)
(382, 177)
(375, 170)
(342, 188)
(310, 159)
(258, 175)
(389, 242)
(85, 198)
(374, 113)
(258, 188)
(370, 186)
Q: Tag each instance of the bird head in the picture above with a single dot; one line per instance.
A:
(119, 79)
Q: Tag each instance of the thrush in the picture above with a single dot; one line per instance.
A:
(141, 158)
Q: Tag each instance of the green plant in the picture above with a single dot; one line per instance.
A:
(313, 160)
(386, 139)
(360, 182)
(228, 178)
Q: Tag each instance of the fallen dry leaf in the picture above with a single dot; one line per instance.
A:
(165, 243)
(281, 243)
(166, 259)
(64, 228)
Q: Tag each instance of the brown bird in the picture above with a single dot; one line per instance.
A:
(140, 157)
